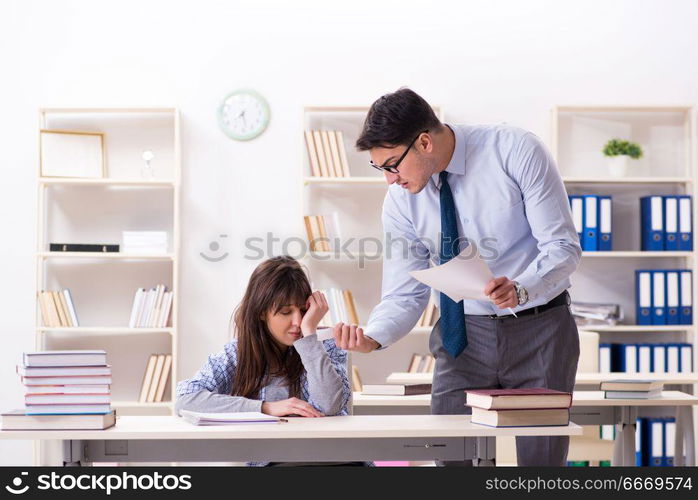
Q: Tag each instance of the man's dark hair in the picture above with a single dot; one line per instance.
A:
(396, 119)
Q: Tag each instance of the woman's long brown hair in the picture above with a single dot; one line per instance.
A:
(276, 282)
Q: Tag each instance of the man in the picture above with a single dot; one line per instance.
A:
(498, 187)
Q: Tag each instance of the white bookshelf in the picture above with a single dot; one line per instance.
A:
(668, 139)
(78, 210)
(358, 200)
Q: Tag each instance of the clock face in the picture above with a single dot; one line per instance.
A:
(243, 115)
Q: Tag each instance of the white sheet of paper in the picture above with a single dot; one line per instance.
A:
(463, 277)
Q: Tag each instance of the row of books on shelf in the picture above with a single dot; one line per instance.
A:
(430, 314)
(646, 358)
(342, 308)
(666, 222)
(63, 389)
(155, 379)
(141, 242)
(323, 231)
(421, 363)
(57, 308)
(654, 441)
(664, 296)
(151, 308)
(326, 153)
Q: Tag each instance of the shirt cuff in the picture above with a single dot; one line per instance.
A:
(309, 347)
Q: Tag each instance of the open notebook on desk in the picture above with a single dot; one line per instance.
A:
(248, 417)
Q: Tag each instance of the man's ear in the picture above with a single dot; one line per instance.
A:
(425, 143)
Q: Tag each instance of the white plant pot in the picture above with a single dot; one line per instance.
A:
(618, 165)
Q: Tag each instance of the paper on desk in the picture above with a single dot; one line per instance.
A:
(463, 277)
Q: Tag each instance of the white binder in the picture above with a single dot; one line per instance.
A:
(645, 359)
(672, 358)
(686, 358)
(659, 358)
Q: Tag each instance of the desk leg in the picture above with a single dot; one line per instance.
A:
(684, 434)
(72, 453)
(624, 446)
(485, 451)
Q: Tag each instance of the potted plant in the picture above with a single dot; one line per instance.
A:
(618, 151)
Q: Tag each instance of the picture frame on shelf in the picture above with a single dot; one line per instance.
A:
(73, 154)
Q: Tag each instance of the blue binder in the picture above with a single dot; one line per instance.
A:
(605, 228)
(652, 220)
(686, 292)
(655, 442)
(643, 297)
(640, 442)
(671, 223)
(685, 223)
(577, 209)
(658, 297)
(669, 440)
(605, 364)
(590, 238)
(673, 298)
(659, 358)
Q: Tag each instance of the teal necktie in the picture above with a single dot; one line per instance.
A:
(452, 322)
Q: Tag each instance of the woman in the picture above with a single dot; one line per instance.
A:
(274, 364)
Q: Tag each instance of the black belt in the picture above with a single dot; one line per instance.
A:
(562, 299)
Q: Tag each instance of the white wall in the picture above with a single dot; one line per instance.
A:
(483, 61)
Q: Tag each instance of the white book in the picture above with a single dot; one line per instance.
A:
(19, 420)
(147, 305)
(66, 409)
(67, 389)
(135, 308)
(71, 307)
(66, 399)
(243, 417)
(65, 358)
(59, 371)
(67, 380)
(155, 314)
(165, 313)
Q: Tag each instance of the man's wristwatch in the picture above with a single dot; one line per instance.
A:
(521, 293)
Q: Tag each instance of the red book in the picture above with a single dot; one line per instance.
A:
(518, 399)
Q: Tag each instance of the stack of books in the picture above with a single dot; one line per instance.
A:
(342, 308)
(144, 242)
(151, 308)
(519, 407)
(57, 308)
(323, 232)
(64, 390)
(632, 389)
(155, 378)
(421, 363)
(326, 153)
(588, 313)
(396, 389)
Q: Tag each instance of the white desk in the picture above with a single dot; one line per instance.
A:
(588, 408)
(387, 437)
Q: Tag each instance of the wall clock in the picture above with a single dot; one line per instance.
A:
(243, 115)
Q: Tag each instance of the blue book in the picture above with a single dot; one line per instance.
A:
(658, 298)
(577, 208)
(655, 444)
(605, 226)
(590, 238)
(685, 223)
(671, 223)
(686, 291)
(673, 298)
(643, 297)
(652, 223)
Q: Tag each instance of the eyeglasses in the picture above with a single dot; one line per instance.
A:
(393, 168)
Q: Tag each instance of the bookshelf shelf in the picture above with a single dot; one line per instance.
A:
(104, 255)
(627, 180)
(582, 378)
(637, 328)
(80, 210)
(48, 181)
(332, 181)
(632, 254)
(121, 405)
(104, 329)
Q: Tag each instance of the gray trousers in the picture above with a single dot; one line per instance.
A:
(538, 350)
